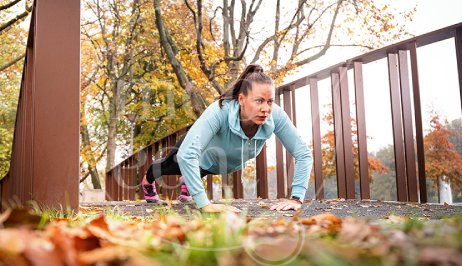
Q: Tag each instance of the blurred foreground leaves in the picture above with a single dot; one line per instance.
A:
(95, 237)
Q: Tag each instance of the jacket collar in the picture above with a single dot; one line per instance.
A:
(264, 131)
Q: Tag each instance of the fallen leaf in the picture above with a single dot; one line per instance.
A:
(297, 215)
(107, 255)
(41, 251)
(90, 209)
(12, 241)
(354, 231)
(20, 217)
(397, 219)
(70, 242)
(328, 221)
(440, 256)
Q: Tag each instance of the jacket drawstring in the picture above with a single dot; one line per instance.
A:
(242, 161)
(255, 175)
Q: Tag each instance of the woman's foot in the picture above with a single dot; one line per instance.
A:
(184, 194)
(150, 193)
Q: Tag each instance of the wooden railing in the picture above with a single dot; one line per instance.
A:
(123, 180)
(44, 166)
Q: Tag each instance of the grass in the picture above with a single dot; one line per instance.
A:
(166, 238)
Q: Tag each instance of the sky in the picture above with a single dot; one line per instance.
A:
(437, 70)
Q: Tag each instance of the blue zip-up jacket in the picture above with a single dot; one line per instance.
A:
(217, 143)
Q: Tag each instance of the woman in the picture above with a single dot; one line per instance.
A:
(231, 131)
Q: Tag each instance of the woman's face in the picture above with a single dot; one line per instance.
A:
(257, 105)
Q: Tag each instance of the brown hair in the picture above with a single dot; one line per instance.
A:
(251, 74)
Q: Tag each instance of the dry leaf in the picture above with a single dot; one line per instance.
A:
(20, 217)
(70, 242)
(397, 219)
(327, 221)
(354, 231)
(440, 256)
(104, 255)
(40, 251)
(297, 215)
(12, 241)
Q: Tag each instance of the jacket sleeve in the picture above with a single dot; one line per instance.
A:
(189, 153)
(293, 142)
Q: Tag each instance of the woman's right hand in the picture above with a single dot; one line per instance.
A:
(213, 208)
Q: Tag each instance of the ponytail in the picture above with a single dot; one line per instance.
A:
(251, 74)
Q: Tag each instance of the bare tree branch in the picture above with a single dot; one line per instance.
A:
(273, 38)
(12, 62)
(211, 23)
(14, 20)
(337, 45)
(6, 6)
(231, 21)
(226, 27)
(209, 72)
(328, 39)
(276, 41)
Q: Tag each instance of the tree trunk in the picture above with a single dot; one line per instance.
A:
(197, 102)
(112, 123)
(87, 147)
(92, 162)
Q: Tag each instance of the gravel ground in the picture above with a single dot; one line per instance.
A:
(371, 210)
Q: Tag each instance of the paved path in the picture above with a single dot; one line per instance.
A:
(343, 208)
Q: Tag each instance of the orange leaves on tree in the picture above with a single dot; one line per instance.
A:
(441, 157)
(328, 151)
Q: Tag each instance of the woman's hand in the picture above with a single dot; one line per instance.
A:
(285, 205)
(211, 208)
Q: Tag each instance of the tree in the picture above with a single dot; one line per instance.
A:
(171, 50)
(11, 14)
(12, 43)
(116, 49)
(456, 137)
(328, 152)
(124, 71)
(303, 32)
(442, 161)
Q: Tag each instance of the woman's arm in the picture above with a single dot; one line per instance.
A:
(292, 141)
(189, 153)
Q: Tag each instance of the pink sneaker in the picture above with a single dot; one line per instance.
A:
(184, 194)
(150, 193)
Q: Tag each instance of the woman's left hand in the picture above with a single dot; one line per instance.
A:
(285, 205)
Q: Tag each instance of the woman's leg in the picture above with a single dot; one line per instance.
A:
(168, 165)
(165, 166)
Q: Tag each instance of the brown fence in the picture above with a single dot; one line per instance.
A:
(407, 181)
(409, 184)
(45, 156)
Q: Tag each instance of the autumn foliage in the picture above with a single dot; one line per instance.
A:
(95, 237)
(328, 152)
(441, 157)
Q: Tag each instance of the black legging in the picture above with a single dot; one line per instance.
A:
(168, 165)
